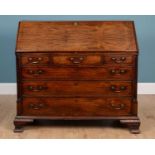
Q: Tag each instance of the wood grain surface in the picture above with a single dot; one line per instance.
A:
(77, 107)
(77, 70)
(78, 73)
(76, 36)
(76, 88)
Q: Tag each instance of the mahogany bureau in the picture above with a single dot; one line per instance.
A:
(77, 70)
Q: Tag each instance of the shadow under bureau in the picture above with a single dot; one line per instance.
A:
(77, 70)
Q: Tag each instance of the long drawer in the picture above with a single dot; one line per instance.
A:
(78, 73)
(76, 88)
(74, 107)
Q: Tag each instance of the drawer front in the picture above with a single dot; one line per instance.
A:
(74, 59)
(89, 73)
(71, 107)
(35, 59)
(76, 88)
(119, 59)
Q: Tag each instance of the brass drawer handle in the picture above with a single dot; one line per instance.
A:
(117, 107)
(37, 88)
(114, 89)
(118, 71)
(36, 106)
(123, 71)
(36, 72)
(35, 60)
(118, 90)
(122, 87)
(76, 60)
(118, 60)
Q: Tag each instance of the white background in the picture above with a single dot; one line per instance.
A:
(77, 7)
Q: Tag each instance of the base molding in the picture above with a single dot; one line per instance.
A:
(11, 88)
(131, 122)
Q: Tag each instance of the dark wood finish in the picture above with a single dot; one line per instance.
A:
(76, 88)
(133, 125)
(35, 59)
(19, 123)
(77, 70)
(76, 59)
(78, 73)
(75, 107)
(76, 36)
(119, 59)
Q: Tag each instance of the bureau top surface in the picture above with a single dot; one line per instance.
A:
(103, 36)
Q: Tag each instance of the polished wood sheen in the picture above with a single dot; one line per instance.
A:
(77, 88)
(77, 70)
(76, 36)
(78, 73)
(77, 106)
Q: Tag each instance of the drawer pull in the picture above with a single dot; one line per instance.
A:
(117, 107)
(36, 89)
(118, 71)
(123, 58)
(122, 87)
(36, 72)
(118, 60)
(35, 60)
(76, 60)
(36, 106)
(122, 71)
(118, 90)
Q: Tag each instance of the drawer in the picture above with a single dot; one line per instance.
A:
(81, 107)
(76, 88)
(78, 73)
(119, 59)
(77, 59)
(35, 59)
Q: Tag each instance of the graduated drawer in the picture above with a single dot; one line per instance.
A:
(89, 59)
(78, 73)
(81, 107)
(76, 88)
